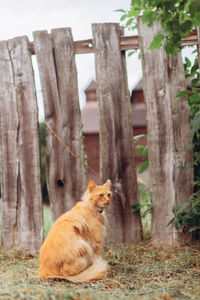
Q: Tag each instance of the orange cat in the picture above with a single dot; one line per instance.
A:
(72, 249)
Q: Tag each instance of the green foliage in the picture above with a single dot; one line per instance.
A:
(177, 17)
(195, 125)
(157, 42)
(192, 72)
(48, 220)
(183, 93)
(143, 167)
(144, 204)
(142, 151)
(187, 215)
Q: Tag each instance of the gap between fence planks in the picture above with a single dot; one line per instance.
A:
(126, 43)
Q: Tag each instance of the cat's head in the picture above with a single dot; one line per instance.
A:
(98, 197)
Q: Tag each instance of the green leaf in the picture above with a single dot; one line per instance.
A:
(183, 207)
(194, 7)
(195, 81)
(183, 93)
(195, 124)
(120, 10)
(145, 152)
(193, 98)
(188, 62)
(131, 53)
(194, 51)
(134, 13)
(139, 150)
(171, 221)
(196, 19)
(143, 167)
(157, 42)
(186, 26)
(194, 69)
(193, 228)
(148, 17)
(123, 17)
(129, 22)
(138, 3)
(180, 168)
(171, 48)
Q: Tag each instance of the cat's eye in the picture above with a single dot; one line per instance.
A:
(101, 195)
(109, 195)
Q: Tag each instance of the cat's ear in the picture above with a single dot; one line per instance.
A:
(91, 186)
(108, 183)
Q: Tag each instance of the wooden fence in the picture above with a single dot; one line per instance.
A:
(22, 224)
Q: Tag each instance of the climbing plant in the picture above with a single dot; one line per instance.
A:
(178, 18)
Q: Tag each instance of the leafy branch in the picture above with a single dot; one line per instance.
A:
(178, 18)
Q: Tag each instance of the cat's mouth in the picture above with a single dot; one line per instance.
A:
(100, 209)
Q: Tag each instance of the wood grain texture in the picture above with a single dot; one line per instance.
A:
(198, 43)
(21, 183)
(65, 173)
(117, 157)
(168, 127)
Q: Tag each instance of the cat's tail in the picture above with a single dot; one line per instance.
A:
(95, 272)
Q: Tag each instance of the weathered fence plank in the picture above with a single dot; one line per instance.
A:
(198, 43)
(168, 127)
(65, 172)
(117, 159)
(21, 185)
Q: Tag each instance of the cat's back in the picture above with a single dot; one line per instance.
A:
(63, 229)
(68, 220)
(78, 222)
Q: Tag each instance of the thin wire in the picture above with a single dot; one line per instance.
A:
(56, 135)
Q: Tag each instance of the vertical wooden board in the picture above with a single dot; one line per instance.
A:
(168, 126)
(21, 188)
(181, 131)
(71, 125)
(9, 150)
(117, 158)
(65, 172)
(198, 45)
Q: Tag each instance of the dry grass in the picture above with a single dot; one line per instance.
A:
(141, 272)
